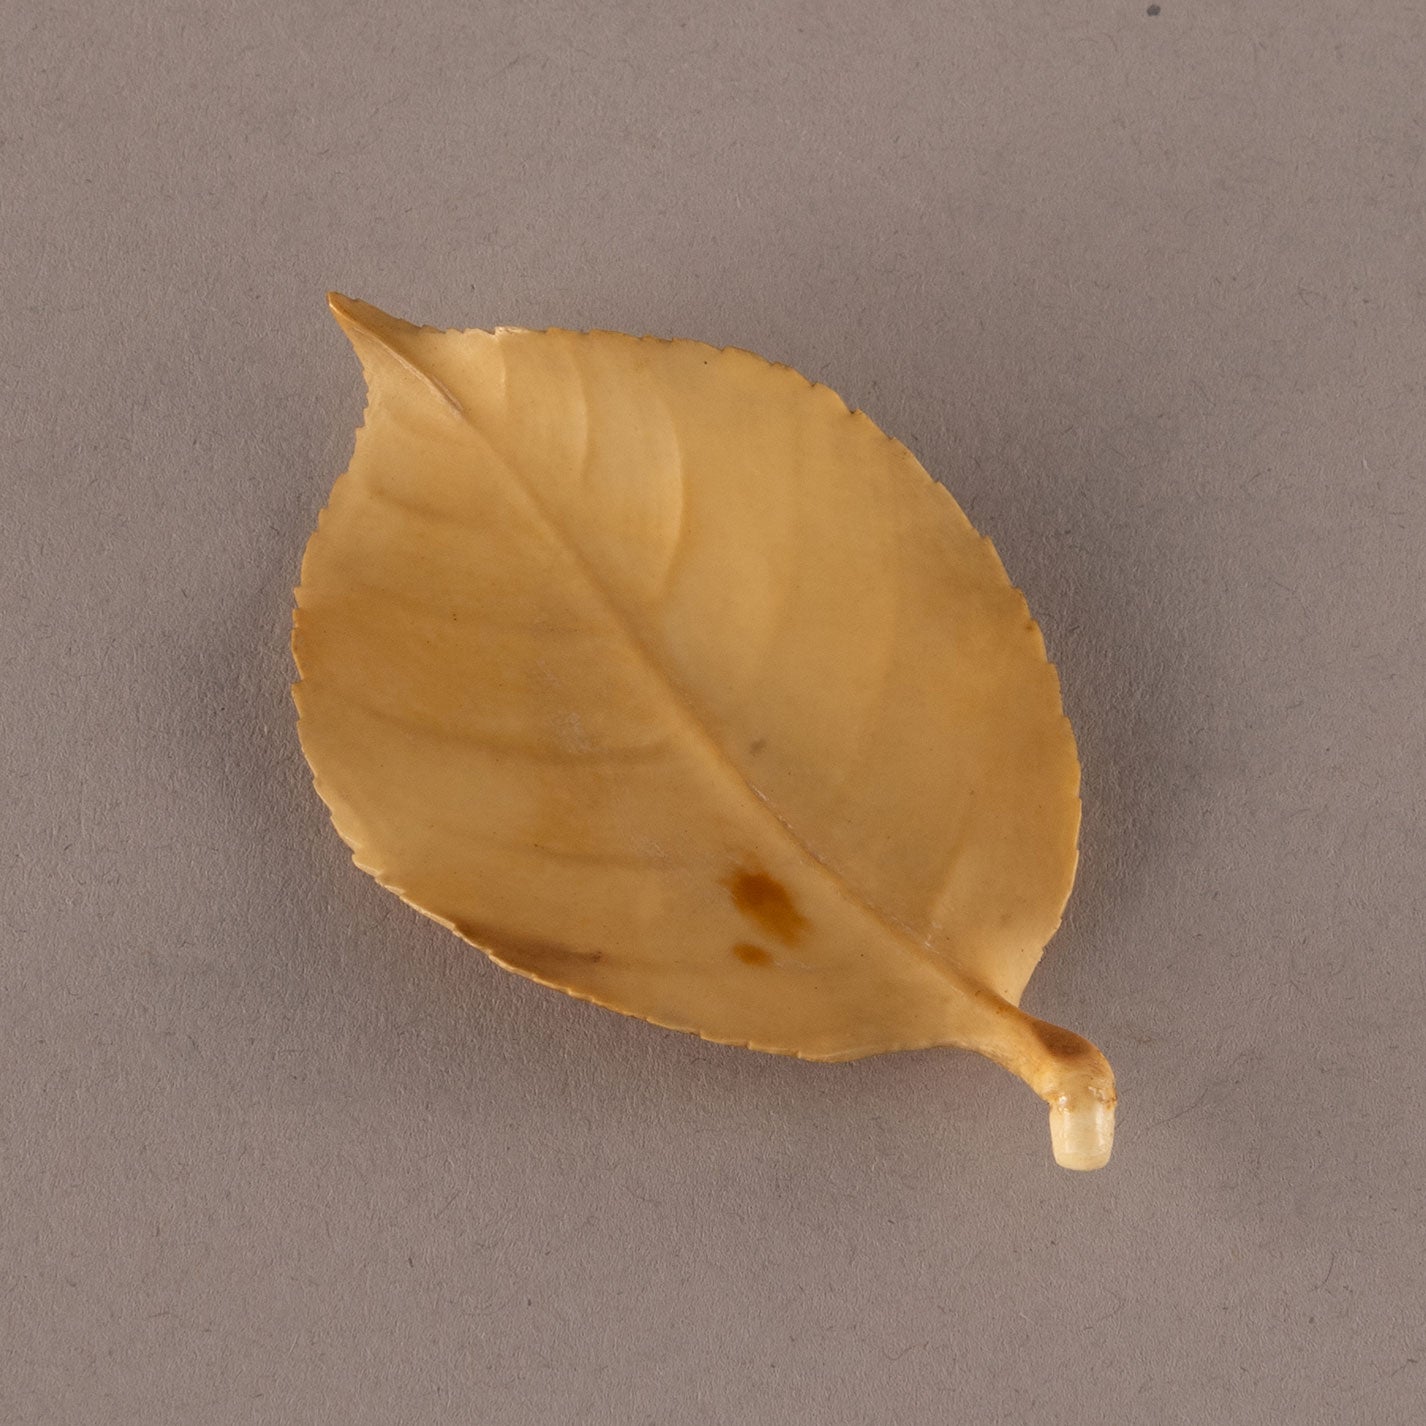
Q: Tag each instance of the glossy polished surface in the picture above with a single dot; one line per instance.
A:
(616, 650)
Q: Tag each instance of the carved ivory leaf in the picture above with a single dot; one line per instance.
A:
(668, 681)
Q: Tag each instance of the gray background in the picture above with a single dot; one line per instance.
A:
(1148, 293)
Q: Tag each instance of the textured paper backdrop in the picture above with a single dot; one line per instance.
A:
(1147, 291)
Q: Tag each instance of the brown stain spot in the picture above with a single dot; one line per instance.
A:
(757, 745)
(751, 955)
(532, 951)
(764, 901)
(1062, 1044)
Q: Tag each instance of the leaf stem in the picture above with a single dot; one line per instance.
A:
(1066, 1071)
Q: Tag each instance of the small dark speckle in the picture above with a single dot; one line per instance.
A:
(757, 745)
(1155, 10)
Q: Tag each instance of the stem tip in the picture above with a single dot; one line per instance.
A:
(1082, 1130)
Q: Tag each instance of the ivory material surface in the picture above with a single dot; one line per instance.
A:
(670, 682)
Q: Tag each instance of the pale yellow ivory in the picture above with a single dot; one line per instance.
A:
(666, 680)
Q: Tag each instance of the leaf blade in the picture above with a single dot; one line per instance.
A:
(659, 499)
